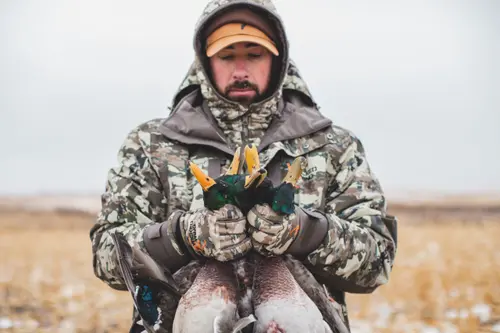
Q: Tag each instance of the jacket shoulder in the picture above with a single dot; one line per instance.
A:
(151, 126)
(152, 148)
(343, 137)
(147, 137)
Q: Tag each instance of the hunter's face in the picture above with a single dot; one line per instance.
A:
(241, 71)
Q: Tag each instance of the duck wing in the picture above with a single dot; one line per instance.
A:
(329, 309)
(153, 289)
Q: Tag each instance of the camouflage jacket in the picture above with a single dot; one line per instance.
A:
(152, 178)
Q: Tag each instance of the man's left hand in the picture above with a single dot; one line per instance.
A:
(298, 233)
(271, 234)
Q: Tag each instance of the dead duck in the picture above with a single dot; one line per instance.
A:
(270, 296)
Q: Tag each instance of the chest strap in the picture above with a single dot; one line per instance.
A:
(274, 170)
(214, 167)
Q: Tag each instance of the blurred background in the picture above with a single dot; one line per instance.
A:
(417, 81)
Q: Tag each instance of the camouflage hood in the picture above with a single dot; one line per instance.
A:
(266, 9)
(239, 123)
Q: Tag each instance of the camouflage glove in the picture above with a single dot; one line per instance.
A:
(219, 234)
(298, 234)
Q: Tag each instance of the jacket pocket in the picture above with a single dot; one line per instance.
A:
(313, 184)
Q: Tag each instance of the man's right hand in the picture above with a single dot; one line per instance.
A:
(219, 234)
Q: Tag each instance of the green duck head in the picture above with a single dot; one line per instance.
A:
(229, 188)
(222, 192)
(218, 192)
(283, 201)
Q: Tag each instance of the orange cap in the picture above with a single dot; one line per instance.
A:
(238, 32)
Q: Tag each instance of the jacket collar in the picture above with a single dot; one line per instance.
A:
(191, 123)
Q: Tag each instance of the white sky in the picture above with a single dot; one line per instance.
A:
(416, 80)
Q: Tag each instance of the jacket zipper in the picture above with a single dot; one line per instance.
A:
(244, 132)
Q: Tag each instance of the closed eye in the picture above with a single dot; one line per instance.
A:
(227, 57)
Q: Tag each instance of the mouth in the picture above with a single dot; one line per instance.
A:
(242, 88)
(242, 92)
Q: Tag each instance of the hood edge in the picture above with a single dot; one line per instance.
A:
(278, 24)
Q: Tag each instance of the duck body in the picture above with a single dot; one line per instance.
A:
(210, 304)
(280, 304)
(255, 294)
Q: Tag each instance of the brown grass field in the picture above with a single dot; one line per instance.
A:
(446, 277)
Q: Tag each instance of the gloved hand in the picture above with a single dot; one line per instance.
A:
(298, 234)
(219, 234)
(216, 234)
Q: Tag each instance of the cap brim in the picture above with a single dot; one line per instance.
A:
(226, 41)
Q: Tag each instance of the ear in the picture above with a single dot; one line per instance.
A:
(205, 181)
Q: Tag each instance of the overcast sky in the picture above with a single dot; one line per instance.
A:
(416, 80)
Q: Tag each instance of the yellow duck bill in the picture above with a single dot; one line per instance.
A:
(205, 181)
(235, 166)
(256, 174)
(295, 171)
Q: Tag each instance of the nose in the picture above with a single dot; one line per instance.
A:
(240, 72)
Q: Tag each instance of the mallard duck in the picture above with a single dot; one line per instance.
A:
(213, 303)
(269, 295)
(155, 291)
(262, 191)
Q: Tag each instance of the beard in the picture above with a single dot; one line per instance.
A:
(243, 99)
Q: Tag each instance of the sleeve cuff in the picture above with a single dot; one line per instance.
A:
(163, 245)
(312, 232)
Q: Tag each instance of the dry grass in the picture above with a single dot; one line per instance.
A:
(47, 282)
(446, 276)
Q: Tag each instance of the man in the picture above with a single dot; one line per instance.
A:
(243, 88)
